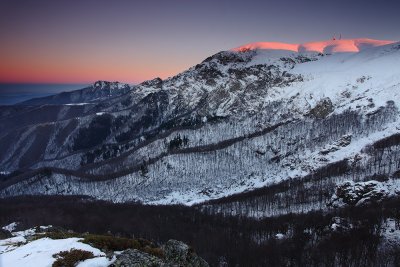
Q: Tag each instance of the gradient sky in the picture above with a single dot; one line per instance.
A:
(56, 41)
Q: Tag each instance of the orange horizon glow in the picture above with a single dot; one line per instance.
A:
(21, 65)
(63, 64)
(66, 42)
(79, 75)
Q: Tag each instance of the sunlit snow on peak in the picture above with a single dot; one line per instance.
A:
(329, 46)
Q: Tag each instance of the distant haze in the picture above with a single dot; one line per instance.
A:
(15, 93)
(48, 41)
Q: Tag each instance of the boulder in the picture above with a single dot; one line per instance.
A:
(178, 253)
(137, 258)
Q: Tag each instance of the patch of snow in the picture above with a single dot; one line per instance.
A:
(279, 236)
(39, 253)
(11, 243)
(11, 227)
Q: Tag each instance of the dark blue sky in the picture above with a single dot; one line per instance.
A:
(83, 41)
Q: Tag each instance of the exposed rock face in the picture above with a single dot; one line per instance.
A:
(363, 193)
(177, 254)
(322, 109)
(155, 83)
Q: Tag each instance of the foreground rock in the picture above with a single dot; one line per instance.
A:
(136, 258)
(176, 254)
(45, 246)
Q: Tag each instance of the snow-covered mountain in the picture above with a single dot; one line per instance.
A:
(288, 121)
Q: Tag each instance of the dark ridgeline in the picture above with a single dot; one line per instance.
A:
(11, 93)
(100, 90)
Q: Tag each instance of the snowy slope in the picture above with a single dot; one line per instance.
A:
(17, 251)
(255, 116)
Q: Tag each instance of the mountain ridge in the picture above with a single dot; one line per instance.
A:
(328, 46)
(231, 95)
(99, 90)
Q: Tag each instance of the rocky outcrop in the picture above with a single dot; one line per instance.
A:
(136, 258)
(177, 254)
(362, 193)
(155, 83)
(322, 109)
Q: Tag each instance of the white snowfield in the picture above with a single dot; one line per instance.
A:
(18, 252)
(360, 77)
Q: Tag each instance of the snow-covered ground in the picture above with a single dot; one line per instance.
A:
(18, 251)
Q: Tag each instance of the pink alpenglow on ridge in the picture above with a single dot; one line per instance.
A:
(268, 46)
(329, 46)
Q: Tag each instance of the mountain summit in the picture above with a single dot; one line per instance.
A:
(329, 46)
